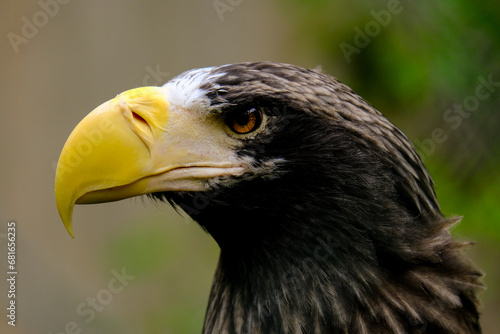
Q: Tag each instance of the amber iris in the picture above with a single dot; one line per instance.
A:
(245, 121)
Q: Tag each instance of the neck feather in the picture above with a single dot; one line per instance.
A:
(337, 281)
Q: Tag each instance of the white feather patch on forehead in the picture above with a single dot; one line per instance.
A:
(184, 90)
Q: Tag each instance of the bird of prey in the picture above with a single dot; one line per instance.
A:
(325, 215)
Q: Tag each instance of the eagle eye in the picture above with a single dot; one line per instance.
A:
(244, 121)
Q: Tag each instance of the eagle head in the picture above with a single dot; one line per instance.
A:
(325, 214)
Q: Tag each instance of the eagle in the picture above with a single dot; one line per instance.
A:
(326, 217)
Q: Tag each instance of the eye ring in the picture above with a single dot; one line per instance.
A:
(244, 121)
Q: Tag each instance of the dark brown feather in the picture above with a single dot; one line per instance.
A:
(343, 234)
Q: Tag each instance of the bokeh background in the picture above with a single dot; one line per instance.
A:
(424, 64)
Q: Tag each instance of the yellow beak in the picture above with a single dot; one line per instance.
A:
(128, 147)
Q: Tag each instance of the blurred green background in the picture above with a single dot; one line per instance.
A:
(431, 67)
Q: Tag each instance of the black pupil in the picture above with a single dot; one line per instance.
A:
(242, 118)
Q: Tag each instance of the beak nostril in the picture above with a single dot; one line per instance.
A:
(139, 118)
(141, 127)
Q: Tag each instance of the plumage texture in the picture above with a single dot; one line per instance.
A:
(335, 228)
